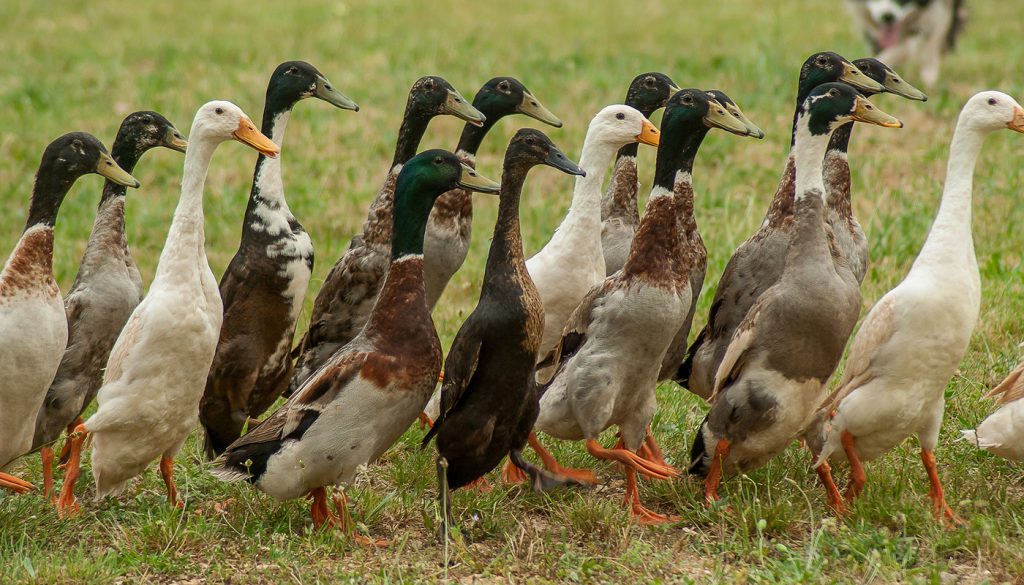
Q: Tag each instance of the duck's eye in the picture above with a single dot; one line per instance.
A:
(77, 144)
(293, 70)
(428, 85)
(438, 160)
(687, 99)
(620, 116)
(219, 111)
(503, 86)
(530, 140)
(649, 81)
(992, 101)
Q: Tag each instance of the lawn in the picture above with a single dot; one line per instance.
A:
(83, 66)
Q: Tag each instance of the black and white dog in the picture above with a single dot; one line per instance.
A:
(911, 30)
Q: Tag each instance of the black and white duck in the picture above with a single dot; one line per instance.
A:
(265, 284)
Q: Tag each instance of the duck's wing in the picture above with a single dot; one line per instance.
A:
(1010, 389)
(307, 403)
(575, 331)
(737, 352)
(459, 369)
(876, 330)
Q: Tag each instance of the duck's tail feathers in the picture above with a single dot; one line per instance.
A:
(228, 474)
(971, 436)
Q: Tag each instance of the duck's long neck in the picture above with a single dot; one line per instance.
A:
(108, 229)
(621, 198)
(781, 206)
(585, 210)
(472, 135)
(47, 194)
(410, 133)
(950, 239)
(507, 244)
(809, 153)
(837, 172)
(267, 184)
(187, 237)
(126, 153)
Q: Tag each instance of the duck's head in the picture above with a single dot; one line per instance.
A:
(142, 131)
(727, 102)
(828, 67)
(297, 80)
(434, 96)
(650, 91)
(890, 81)
(433, 172)
(989, 111)
(691, 109)
(219, 120)
(531, 147)
(504, 96)
(79, 153)
(831, 105)
(619, 125)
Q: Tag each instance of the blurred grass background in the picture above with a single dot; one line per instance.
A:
(74, 66)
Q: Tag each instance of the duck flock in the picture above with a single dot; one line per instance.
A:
(563, 345)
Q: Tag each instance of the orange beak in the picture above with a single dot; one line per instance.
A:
(1017, 123)
(649, 134)
(247, 134)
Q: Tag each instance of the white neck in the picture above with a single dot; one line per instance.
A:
(950, 239)
(187, 237)
(269, 179)
(584, 217)
(809, 152)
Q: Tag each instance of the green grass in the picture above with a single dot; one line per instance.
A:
(83, 66)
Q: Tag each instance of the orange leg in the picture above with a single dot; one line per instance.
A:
(835, 501)
(857, 476)
(349, 526)
(480, 485)
(512, 474)
(940, 508)
(167, 472)
(651, 451)
(637, 510)
(319, 511)
(714, 477)
(66, 450)
(67, 505)
(425, 422)
(16, 485)
(46, 454)
(631, 459)
(581, 475)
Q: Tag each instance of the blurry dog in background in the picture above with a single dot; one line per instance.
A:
(911, 30)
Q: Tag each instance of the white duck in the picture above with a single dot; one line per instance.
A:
(913, 339)
(572, 263)
(33, 328)
(1002, 433)
(157, 369)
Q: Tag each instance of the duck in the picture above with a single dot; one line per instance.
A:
(648, 93)
(33, 325)
(368, 393)
(677, 349)
(913, 339)
(1002, 433)
(773, 374)
(148, 403)
(572, 262)
(757, 262)
(346, 298)
(488, 397)
(451, 221)
(106, 290)
(849, 234)
(265, 284)
(611, 350)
